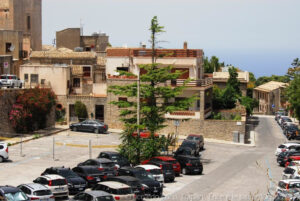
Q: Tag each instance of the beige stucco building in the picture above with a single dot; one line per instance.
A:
(269, 97)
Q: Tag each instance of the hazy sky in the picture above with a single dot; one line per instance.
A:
(262, 36)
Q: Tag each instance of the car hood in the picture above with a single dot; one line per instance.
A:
(151, 183)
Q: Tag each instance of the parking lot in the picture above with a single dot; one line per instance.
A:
(70, 148)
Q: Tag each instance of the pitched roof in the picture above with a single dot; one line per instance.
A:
(270, 86)
(62, 53)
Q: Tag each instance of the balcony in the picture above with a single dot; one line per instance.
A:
(193, 83)
(183, 115)
(122, 77)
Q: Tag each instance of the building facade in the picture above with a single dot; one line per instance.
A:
(269, 97)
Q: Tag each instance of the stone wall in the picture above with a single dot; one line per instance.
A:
(216, 129)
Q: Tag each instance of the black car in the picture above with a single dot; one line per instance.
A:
(93, 196)
(106, 166)
(137, 187)
(10, 193)
(91, 174)
(115, 157)
(198, 139)
(291, 131)
(185, 151)
(166, 168)
(90, 125)
(189, 164)
(152, 187)
(75, 183)
(284, 120)
(194, 146)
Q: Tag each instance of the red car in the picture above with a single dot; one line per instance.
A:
(169, 159)
(291, 159)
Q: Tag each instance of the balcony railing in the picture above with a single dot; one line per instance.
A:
(167, 53)
(193, 83)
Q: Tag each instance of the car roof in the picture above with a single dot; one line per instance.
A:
(110, 152)
(103, 160)
(97, 193)
(127, 178)
(148, 167)
(189, 141)
(167, 158)
(35, 186)
(9, 189)
(195, 135)
(114, 184)
(132, 169)
(52, 176)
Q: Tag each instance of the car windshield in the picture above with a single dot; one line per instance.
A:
(188, 144)
(58, 182)
(17, 196)
(155, 171)
(144, 175)
(281, 146)
(296, 185)
(42, 192)
(67, 173)
(193, 138)
(105, 198)
(167, 167)
(124, 191)
(3, 77)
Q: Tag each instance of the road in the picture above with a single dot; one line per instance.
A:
(247, 174)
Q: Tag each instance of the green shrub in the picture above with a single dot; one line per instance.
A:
(81, 111)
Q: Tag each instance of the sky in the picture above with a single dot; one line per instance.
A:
(260, 36)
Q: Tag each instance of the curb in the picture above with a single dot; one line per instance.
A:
(44, 135)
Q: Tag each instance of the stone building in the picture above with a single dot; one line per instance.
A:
(74, 76)
(72, 38)
(6, 64)
(220, 79)
(269, 97)
(24, 16)
(189, 61)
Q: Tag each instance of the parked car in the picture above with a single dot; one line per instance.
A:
(10, 81)
(118, 190)
(152, 187)
(198, 139)
(278, 114)
(75, 183)
(135, 184)
(93, 196)
(56, 183)
(189, 164)
(154, 170)
(166, 169)
(90, 126)
(288, 184)
(288, 172)
(105, 165)
(117, 158)
(286, 147)
(3, 151)
(91, 174)
(284, 120)
(169, 159)
(37, 192)
(10, 193)
(284, 157)
(192, 145)
(291, 132)
(291, 195)
(287, 124)
(280, 119)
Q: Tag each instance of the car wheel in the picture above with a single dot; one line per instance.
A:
(13, 86)
(74, 129)
(96, 130)
(184, 171)
(1, 159)
(20, 86)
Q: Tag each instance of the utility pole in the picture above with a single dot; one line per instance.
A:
(138, 114)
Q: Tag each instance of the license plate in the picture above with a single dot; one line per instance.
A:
(59, 189)
(97, 179)
(196, 170)
(168, 173)
(175, 166)
(81, 189)
(155, 191)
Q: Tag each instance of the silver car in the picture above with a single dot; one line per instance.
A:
(37, 192)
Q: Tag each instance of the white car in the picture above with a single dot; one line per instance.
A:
(10, 81)
(154, 170)
(118, 190)
(37, 192)
(3, 151)
(290, 172)
(280, 119)
(286, 147)
(56, 183)
(288, 184)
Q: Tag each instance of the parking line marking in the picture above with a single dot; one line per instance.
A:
(86, 146)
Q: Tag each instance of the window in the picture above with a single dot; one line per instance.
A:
(122, 99)
(28, 23)
(34, 78)
(76, 82)
(87, 71)
(8, 47)
(43, 81)
(123, 69)
(26, 77)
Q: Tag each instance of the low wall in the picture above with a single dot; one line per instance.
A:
(216, 129)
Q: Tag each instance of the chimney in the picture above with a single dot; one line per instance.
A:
(185, 45)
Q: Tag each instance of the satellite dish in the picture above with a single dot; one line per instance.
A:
(12, 48)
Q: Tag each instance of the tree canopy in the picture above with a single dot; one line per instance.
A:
(212, 65)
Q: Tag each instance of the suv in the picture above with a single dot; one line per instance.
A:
(91, 174)
(3, 151)
(169, 159)
(190, 164)
(166, 169)
(115, 157)
(57, 184)
(10, 81)
(154, 170)
(10, 193)
(105, 165)
(192, 145)
(198, 139)
(37, 192)
(93, 196)
(75, 183)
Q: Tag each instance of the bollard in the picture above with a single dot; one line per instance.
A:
(53, 149)
(90, 148)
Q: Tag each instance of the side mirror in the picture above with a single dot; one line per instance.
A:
(34, 181)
